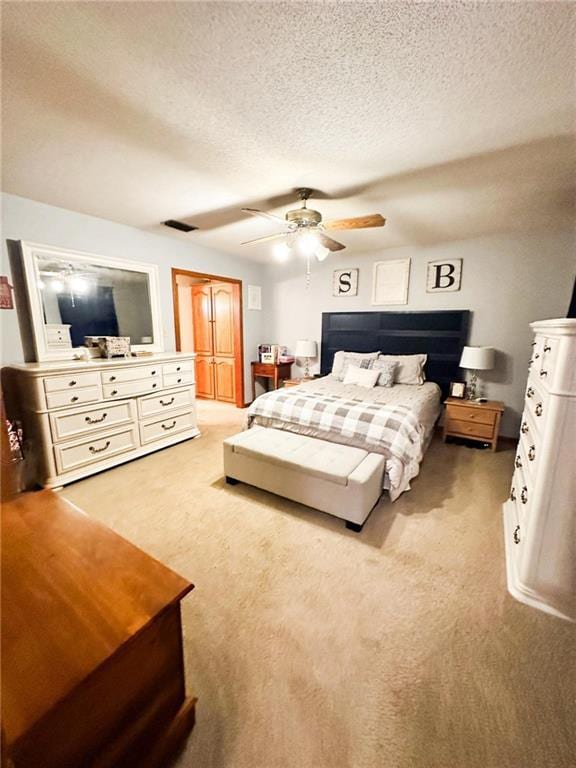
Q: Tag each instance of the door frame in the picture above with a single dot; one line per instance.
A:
(238, 324)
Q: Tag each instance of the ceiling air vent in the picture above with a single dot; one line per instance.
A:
(179, 225)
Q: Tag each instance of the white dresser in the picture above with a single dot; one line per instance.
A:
(82, 417)
(540, 515)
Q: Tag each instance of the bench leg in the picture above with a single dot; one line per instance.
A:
(232, 480)
(356, 527)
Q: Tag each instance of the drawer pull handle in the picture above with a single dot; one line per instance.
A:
(88, 420)
(178, 381)
(530, 392)
(532, 453)
(524, 495)
(114, 392)
(518, 462)
(112, 378)
(536, 356)
(72, 383)
(177, 368)
(74, 399)
(513, 494)
(524, 428)
(547, 348)
(538, 410)
(169, 426)
(169, 402)
(154, 386)
(99, 450)
(543, 374)
(516, 535)
(153, 373)
(533, 344)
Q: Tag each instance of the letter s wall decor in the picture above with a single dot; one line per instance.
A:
(444, 276)
(345, 282)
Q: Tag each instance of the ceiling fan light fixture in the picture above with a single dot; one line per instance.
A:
(321, 252)
(308, 243)
(282, 252)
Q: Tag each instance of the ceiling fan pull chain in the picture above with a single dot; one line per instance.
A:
(307, 272)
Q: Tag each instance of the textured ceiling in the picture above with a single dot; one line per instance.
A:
(451, 119)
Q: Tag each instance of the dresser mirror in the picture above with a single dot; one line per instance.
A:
(72, 295)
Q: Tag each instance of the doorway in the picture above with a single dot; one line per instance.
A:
(208, 321)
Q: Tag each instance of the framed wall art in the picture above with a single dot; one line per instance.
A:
(345, 282)
(444, 276)
(254, 297)
(390, 281)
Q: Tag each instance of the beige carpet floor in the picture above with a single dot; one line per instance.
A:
(310, 646)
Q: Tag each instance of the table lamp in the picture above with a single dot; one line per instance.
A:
(476, 359)
(306, 350)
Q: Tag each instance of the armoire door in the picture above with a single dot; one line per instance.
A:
(202, 319)
(205, 377)
(223, 316)
(224, 379)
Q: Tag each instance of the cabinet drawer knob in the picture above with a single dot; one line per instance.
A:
(524, 428)
(89, 420)
(114, 392)
(547, 348)
(169, 426)
(112, 378)
(154, 385)
(532, 453)
(536, 356)
(177, 368)
(516, 535)
(72, 383)
(106, 445)
(153, 373)
(524, 495)
(168, 402)
(513, 494)
(539, 409)
(530, 392)
(543, 374)
(74, 399)
(518, 462)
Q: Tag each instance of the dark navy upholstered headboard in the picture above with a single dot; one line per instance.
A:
(440, 334)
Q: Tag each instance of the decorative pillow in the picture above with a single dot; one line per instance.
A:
(410, 368)
(341, 357)
(387, 370)
(363, 377)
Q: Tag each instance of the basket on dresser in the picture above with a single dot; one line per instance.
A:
(540, 513)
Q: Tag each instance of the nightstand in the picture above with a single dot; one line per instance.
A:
(475, 421)
(296, 382)
(276, 372)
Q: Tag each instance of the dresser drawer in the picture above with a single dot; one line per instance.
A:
(67, 425)
(470, 428)
(74, 397)
(185, 365)
(130, 374)
(166, 401)
(73, 381)
(469, 413)
(175, 379)
(69, 456)
(128, 388)
(158, 430)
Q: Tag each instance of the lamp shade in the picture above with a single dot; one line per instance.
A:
(477, 358)
(305, 348)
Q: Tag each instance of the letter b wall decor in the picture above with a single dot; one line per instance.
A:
(444, 275)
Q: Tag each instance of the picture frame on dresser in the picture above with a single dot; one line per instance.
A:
(64, 295)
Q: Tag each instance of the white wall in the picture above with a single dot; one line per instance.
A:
(507, 281)
(24, 219)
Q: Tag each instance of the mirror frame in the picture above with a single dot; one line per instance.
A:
(29, 253)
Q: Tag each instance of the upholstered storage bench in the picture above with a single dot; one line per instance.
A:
(343, 481)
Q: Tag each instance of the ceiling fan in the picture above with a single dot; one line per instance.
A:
(306, 231)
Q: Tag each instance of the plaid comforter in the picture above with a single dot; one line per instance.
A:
(392, 430)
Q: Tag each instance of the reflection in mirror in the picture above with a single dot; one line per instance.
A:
(83, 299)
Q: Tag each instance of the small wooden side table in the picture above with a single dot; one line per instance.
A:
(296, 382)
(475, 421)
(277, 372)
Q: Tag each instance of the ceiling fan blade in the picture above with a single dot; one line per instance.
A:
(266, 238)
(359, 222)
(264, 214)
(328, 242)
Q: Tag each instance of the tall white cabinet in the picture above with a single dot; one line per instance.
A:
(82, 417)
(540, 514)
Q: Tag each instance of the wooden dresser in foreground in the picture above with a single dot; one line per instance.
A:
(92, 666)
(475, 421)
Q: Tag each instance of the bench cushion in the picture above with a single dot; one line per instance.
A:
(329, 461)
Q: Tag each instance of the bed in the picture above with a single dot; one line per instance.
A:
(397, 421)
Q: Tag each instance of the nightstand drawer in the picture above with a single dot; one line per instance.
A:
(469, 413)
(470, 428)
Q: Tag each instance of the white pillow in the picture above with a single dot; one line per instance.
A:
(410, 368)
(363, 377)
(387, 370)
(341, 357)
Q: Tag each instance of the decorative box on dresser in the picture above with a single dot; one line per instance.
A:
(82, 417)
(540, 514)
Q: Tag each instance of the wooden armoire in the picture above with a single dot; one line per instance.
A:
(215, 340)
